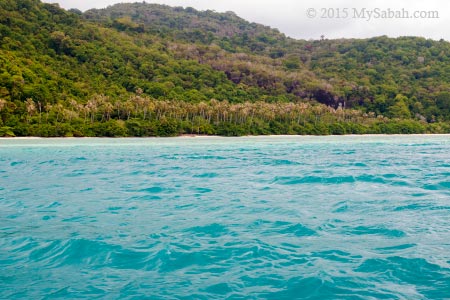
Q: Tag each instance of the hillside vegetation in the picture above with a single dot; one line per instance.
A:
(152, 70)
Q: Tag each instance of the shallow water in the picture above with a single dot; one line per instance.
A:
(217, 218)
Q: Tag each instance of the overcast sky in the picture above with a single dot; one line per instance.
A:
(309, 19)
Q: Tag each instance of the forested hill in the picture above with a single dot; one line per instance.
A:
(145, 69)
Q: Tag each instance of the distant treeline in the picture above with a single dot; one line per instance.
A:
(142, 116)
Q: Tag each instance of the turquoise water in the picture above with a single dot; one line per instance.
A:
(226, 218)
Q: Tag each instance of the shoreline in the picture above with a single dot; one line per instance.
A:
(191, 136)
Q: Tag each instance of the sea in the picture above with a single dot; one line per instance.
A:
(278, 217)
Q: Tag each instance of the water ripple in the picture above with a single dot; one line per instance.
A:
(213, 218)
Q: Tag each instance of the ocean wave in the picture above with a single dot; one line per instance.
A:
(239, 219)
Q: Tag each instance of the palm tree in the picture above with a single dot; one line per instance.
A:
(31, 108)
(59, 111)
(92, 108)
(108, 108)
(128, 107)
(2, 104)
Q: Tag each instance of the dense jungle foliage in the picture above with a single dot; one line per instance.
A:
(152, 70)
